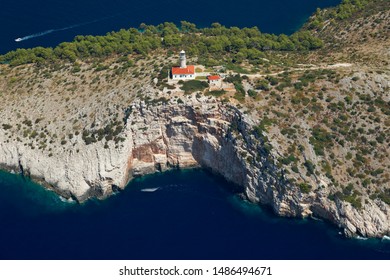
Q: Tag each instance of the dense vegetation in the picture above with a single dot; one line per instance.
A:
(194, 85)
(208, 43)
(343, 11)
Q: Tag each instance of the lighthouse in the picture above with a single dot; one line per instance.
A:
(183, 72)
(183, 59)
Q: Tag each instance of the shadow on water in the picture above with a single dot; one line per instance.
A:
(186, 214)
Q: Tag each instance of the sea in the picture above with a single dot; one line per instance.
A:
(50, 22)
(180, 214)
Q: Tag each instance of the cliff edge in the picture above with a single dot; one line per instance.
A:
(202, 132)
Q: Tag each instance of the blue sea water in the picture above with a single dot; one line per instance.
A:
(64, 19)
(192, 215)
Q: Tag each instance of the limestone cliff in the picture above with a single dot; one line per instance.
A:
(199, 132)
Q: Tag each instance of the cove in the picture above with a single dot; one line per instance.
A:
(186, 214)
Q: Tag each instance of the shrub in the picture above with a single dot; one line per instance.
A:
(320, 140)
(305, 188)
(273, 81)
(288, 160)
(194, 85)
(385, 196)
(216, 93)
(263, 85)
(252, 93)
(7, 126)
(310, 167)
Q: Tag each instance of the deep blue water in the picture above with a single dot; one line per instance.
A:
(19, 18)
(191, 216)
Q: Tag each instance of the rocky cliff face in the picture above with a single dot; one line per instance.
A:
(197, 133)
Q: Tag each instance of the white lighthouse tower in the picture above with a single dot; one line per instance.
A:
(183, 59)
(184, 71)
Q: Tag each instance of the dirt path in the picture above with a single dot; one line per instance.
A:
(310, 67)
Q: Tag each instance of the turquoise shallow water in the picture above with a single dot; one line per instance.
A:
(192, 215)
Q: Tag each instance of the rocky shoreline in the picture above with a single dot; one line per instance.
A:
(201, 132)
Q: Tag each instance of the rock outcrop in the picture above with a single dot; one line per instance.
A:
(197, 133)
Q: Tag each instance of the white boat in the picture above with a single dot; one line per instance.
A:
(386, 238)
(149, 190)
(361, 238)
(18, 39)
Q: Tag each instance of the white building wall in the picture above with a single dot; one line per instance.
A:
(216, 83)
(183, 77)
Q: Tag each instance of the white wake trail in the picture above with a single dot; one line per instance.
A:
(43, 33)
(35, 35)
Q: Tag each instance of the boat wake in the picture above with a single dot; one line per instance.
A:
(35, 35)
(46, 32)
(149, 190)
(361, 238)
(67, 200)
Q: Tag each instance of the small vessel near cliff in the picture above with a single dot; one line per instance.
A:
(18, 39)
(386, 238)
(149, 190)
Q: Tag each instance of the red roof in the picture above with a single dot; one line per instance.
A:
(190, 70)
(213, 78)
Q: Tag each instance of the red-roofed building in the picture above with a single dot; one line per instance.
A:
(189, 70)
(183, 72)
(214, 80)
